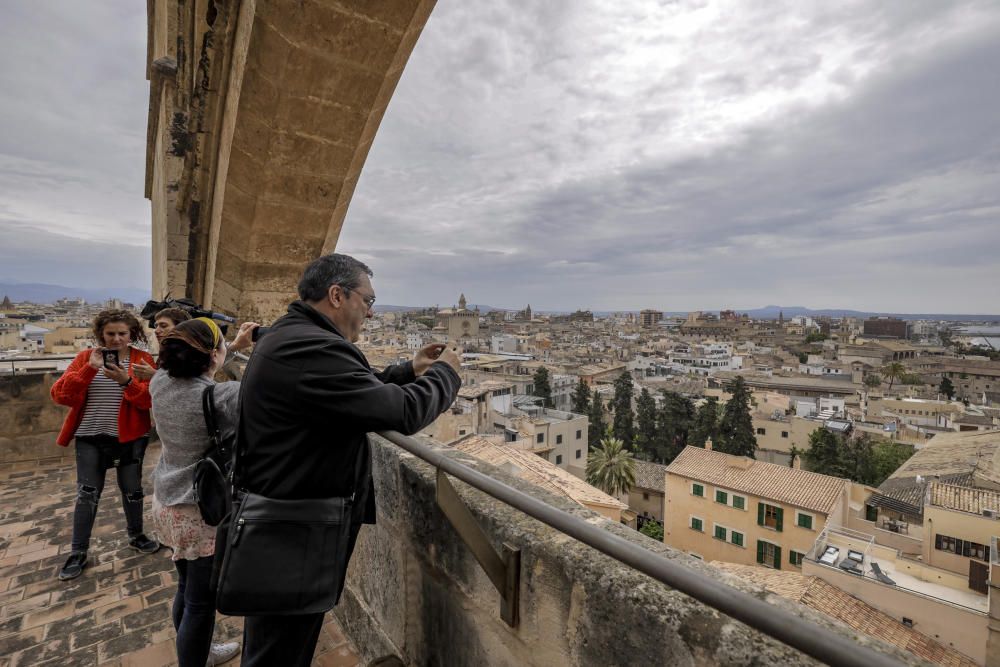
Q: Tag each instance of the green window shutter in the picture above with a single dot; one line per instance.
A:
(736, 538)
(871, 513)
(805, 521)
(760, 551)
(696, 524)
(780, 516)
(698, 490)
(777, 558)
(739, 502)
(721, 497)
(720, 533)
(760, 516)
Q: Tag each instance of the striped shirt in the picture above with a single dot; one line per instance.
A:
(104, 398)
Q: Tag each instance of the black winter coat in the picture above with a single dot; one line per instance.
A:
(309, 400)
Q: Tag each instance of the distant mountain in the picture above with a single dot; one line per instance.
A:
(42, 293)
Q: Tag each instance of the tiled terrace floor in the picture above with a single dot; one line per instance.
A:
(118, 611)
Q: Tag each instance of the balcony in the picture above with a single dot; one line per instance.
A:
(415, 587)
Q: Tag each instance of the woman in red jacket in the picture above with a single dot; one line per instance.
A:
(109, 417)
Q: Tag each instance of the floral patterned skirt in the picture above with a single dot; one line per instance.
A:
(181, 528)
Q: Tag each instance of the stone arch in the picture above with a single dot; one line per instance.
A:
(261, 116)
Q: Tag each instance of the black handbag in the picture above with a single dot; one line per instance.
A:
(212, 490)
(277, 557)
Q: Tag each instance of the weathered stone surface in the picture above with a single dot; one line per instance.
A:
(282, 108)
(577, 607)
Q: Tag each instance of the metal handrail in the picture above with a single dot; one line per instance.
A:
(813, 640)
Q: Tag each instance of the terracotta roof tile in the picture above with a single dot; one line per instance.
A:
(808, 490)
(650, 476)
(963, 498)
(856, 614)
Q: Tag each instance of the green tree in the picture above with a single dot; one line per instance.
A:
(736, 435)
(610, 467)
(645, 437)
(816, 337)
(893, 371)
(674, 423)
(543, 386)
(803, 357)
(596, 419)
(887, 457)
(872, 380)
(947, 388)
(623, 424)
(823, 454)
(706, 423)
(652, 529)
(581, 398)
(857, 460)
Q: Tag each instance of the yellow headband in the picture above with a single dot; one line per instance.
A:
(216, 332)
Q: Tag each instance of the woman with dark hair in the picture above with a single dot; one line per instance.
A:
(163, 323)
(190, 355)
(109, 418)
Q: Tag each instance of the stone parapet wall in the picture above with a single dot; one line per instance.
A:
(29, 420)
(415, 590)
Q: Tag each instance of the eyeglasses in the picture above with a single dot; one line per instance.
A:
(369, 300)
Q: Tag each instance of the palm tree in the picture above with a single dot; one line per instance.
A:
(893, 371)
(610, 466)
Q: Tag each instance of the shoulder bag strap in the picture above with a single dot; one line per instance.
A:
(211, 424)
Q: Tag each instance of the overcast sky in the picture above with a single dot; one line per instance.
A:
(675, 155)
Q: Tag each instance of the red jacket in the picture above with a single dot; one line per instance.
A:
(71, 389)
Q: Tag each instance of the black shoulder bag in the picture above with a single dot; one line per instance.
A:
(278, 557)
(211, 486)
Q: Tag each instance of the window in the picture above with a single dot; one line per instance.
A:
(698, 490)
(768, 554)
(720, 533)
(769, 516)
(559, 439)
(721, 497)
(761, 431)
(795, 558)
(579, 434)
(579, 453)
(540, 437)
(696, 523)
(959, 547)
(558, 459)
(803, 520)
(645, 496)
(461, 431)
(739, 502)
(736, 538)
(784, 434)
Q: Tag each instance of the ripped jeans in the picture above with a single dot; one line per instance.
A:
(94, 455)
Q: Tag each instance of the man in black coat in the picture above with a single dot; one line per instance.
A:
(309, 400)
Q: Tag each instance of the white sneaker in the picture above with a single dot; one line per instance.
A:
(221, 653)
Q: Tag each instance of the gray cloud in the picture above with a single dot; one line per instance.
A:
(579, 154)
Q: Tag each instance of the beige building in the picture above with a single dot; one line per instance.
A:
(776, 435)
(647, 496)
(738, 510)
(959, 522)
(68, 340)
(828, 599)
(461, 323)
(541, 473)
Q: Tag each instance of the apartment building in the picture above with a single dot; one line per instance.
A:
(738, 510)
(646, 497)
(959, 522)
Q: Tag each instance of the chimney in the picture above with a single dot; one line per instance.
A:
(708, 444)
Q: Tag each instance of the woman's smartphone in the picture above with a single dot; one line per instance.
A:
(111, 358)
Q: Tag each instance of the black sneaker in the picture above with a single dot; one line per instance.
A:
(74, 566)
(144, 544)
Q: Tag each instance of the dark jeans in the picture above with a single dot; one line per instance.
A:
(94, 455)
(289, 641)
(194, 611)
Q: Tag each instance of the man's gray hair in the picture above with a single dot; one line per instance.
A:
(332, 269)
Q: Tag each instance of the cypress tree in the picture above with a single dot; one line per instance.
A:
(623, 425)
(736, 435)
(543, 388)
(581, 398)
(596, 417)
(645, 423)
